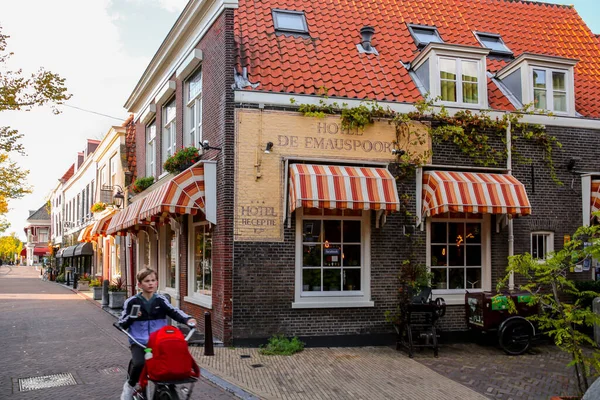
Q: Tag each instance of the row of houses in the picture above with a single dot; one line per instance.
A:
(291, 223)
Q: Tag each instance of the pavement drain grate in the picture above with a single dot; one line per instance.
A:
(112, 371)
(244, 356)
(47, 381)
(256, 365)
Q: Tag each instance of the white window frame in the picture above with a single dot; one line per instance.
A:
(457, 296)
(169, 135)
(112, 175)
(459, 87)
(162, 272)
(549, 242)
(340, 299)
(151, 149)
(194, 297)
(193, 121)
(43, 231)
(550, 89)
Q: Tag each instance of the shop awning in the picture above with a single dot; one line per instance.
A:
(115, 223)
(41, 251)
(69, 252)
(84, 235)
(59, 253)
(472, 192)
(132, 214)
(84, 249)
(23, 252)
(595, 200)
(184, 194)
(99, 228)
(341, 187)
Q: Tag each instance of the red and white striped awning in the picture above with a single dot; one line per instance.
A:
(115, 223)
(472, 192)
(100, 226)
(184, 194)
(595, 198)
(84, 235)
(132, 214)
(342, 187)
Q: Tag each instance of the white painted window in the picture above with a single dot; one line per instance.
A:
(332, 258)
(459, 80)
(550, 89)
(542, 243)
(193, 113)
(43, 236)
(458, 256)
(151, 149)
(169, 254)
(168, 131)
(113, 170)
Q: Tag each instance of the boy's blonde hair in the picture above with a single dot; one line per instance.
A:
(144, 273)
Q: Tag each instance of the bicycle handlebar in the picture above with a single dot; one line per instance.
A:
(187, 338)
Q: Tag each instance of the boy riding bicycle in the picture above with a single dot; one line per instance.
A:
(152, 315)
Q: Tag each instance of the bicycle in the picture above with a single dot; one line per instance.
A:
(163, 390)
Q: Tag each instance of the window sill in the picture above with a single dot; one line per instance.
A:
(332, 303)
(203, 301)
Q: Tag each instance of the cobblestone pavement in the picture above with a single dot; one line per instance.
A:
(47, 329)
(538, 374)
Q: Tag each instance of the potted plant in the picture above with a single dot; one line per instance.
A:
(182, 160)
(60, 278)
(83, 283)
(117, 292)
(98, 207)
(96, 286)
(142, 184)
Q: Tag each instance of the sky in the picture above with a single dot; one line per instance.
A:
(101, 47)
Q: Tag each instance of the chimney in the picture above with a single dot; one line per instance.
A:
(366, 33)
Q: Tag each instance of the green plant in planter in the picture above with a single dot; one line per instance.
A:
(117, 285)
(95, 282)
(85, 277)
(182, 160)
(61, 278)
(98, 207)
(142, 184)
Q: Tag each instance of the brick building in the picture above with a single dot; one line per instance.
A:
(290, 223)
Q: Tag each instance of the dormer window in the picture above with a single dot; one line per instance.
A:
(547, 82)
(423, 35)
(453, 74)
(290, 21)
(493, 42)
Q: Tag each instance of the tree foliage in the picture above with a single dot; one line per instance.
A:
(9, 246)
(21, 92)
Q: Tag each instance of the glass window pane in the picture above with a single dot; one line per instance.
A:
(438, 279)
(311, 231)
(332, 255)
(352, 279)
(473, 278)
(539, 98)
(456, 255)
(469, 71)
(456, 278)
(332, 279)
(470, 93)
(351, 256)
(195, 85)
(539, 78)
(333, 231)
(456, 233)
(351, 231)
(448, 90)
(447, 69)
(493, 43)
(311, 280)
(473, 255)
(439, 255)
(473, 234)
(171, 258)
(289, 21)
(425, 35)
(558, 81)
(311, 255)
(169, 112)
(438, 232)
(560, 101)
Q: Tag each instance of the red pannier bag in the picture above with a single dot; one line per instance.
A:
(171, 359)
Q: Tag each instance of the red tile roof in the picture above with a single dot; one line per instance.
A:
(328, 62)
(68, 174)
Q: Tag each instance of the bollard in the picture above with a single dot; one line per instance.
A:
(596, 309)
(208, 338)
(75, 278)
(68, 276)
(105, 293)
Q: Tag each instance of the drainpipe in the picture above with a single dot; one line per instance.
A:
(511, 239)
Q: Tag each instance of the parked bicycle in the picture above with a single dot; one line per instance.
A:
(161, 390)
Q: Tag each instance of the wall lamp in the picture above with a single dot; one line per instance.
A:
(269, 147)
(398, 152)
(119, 197)
(206, 146)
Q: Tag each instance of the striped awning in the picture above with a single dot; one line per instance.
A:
(100, 226)
(115, 223)
(84, 235)
(472, 192)
(595, 198)
(342, 187)
(184, 194)
(132, 214)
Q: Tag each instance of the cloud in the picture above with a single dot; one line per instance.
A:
(173, 5)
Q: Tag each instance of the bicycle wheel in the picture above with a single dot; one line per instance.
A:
(515, 337)
(166, 393)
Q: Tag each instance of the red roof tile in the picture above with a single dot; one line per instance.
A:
(329, 61)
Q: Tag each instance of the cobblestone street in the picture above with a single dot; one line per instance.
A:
(47, 329)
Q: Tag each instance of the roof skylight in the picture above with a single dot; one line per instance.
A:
(290, 21)
(493, 42)
(423, 35)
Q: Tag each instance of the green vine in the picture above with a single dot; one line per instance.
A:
(471, 132)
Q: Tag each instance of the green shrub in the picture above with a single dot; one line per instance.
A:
(280, 345)
(60, 278)
(95, 282)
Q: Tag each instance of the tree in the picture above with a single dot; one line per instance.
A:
(21, 93)
(565, 309)
(10, 246)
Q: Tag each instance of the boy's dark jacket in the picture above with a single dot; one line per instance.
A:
(153, 316)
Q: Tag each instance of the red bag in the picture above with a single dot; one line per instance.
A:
(171, 359)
